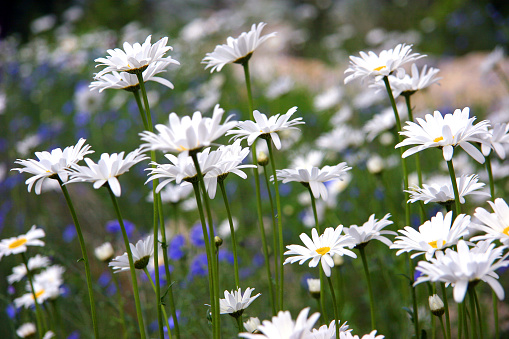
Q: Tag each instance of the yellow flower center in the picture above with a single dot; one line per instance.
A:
(322, 250)
(379, 68)
(182, 148)
(438, 139)
(434, 243)
(17, 243)
(506, 230)
(38, 294)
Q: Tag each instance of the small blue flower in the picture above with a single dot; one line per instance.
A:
(175, 251)
(69, 233)
(198, 266)
(113, 226)
(104, 279)
(74, 335)
(196, 235)
(225, 255)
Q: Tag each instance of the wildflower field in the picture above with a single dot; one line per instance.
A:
(255, 169)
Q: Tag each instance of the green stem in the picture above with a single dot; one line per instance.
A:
(279, 224)
(490, 175)
(446, 306)
(120, 306)
(38, 311)
(411, 272)
(370, 290)
(471, 299)
(247, 76)
(495, 314)
(140, 108)
(145, 100)
(335, 304)
(465, 319)
(139, 315)
(232, 231)
(479, 314)
(454, 187)
(84, 256)
(443, 327)
(161, 306)
(240, 325)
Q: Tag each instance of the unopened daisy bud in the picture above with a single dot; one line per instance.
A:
(263, 160)
(375, 164)
(27, 330)
(314, 287)
(436, 305)
(218, 241)
(386, 139)
(104, 252)
(251, 325)
(338, 260)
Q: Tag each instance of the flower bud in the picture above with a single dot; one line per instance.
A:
(436, 305)
(263, 160)
(218, 241)
(375, 164)
(314, 288)
(338, 259)
(104, 252)
(251, 325)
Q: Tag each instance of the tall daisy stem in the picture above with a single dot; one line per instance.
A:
(232, 231)
(84, 256)
(471, 299)
(444, 333)
(160, 305)
(38, 311)
(370, 289)
(479, 314)
(141, 109)
(335, 304)
(137, 302)
(446, 307)
(457, 203)
(120, 305)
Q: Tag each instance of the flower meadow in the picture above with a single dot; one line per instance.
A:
(120, 216)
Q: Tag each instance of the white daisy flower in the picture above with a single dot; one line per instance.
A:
(142, 252)
(328, 332)
(135, 58)
(434, 235)
(314, 177)
(321, 248)
(172, 193)
(235, 303)
(187, 134)
(371, 335)
(444, 193)
(237, 50)
(374, 67)
(266, 127)
(26, 330)
(49, 335)
(283, 327)
(251, 325)
(371, 229)
(43, 291)
(436, 305)
(383, 121)
(495, 225)
(465, 266)
(20, 271)
(495, 139)
(50, 164)
(104, 252)
(107, 169)
(445, 132)
(51, 276)
(15, 245)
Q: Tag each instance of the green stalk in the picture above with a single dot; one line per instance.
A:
(84, 256)
(370, 289)
(465, 319)
(279, 223)
(240, 325)
(443, 328)
(232, 231)
(141, 109)
(446, 306)
(471, 299)
(479, 314)
(454, 187)
(160, 305)
(490, 175)
(273, 299)
(38, 311)
(335, 304)
(460, 320)
(141, 324)
(120, 305)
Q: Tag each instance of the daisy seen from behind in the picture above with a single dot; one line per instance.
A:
(495, 139)
(142, 252)
(374, 67)
(465, 266)
(371, 229)
(189, 133)
(235, 303)
(236, 50)
(445, 132)
(320, 249)
(52, 164)
(434, 235)
(328, 332)
(496, 224)
(266, 127)
(20, 271)
(16, 245)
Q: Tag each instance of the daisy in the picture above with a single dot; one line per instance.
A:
(383, 121)
(445, 132)
(187, 134)
(172, 193)
(321, 248)
(314, 287)
(20, 271)
(328, 332)
(129, 82)
(374, 67)
(135, 58)
(251, 325)
(444, 193)
(51, 276)
(42, 292)
(434, 235)
(142, 253)
(19, 244)
(495, 225)
(436, 305)
(495, 139)
(237, 50)
(371, 229)
(235, 303)
(465, 266)
(266, 127)
(371, 335)
(283, 327)
(26, 330)
(107, 169)
(51, 164)
(104, 252)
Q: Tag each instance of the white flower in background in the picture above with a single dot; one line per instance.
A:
(328, 332)
(375, 164)
(266, 127)
(187, 134)
(26, 330)
(129, 82)
(42, 293)
(135, 58)
(434, 235)
(307, 159)
(495, 225)
(383, 121)
(86, 101)
(51, 276)
(107, 169)
(321, 248)
(104, 252)
(172, 193)
(495, 139)
(50, 164)
(49, 335)
(374, 67)
(237, 50)
(283, 327)
(328, 99)
(340, 138)
(314, 177)
(15, 245)
(279, 87)
(371, 229)
(445, 132)
(314, 287)
(492, 59)
(444, 193)
(465, 266)
(235, 303)
(20, 271)
(407, 84)
(371, 335)
(142, 253)
(251, 325)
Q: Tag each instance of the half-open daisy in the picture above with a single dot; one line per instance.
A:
(495, 225)
(19, 244)
(142, 252)
(495, 139)
(235, 303)
(371, 229)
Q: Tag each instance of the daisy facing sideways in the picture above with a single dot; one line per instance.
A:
(15, 245)
(496, 224)
(235, 303)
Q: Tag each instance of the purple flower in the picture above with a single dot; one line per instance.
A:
(175, 251)
(199, 266)
(113, 226)
(69, 233)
